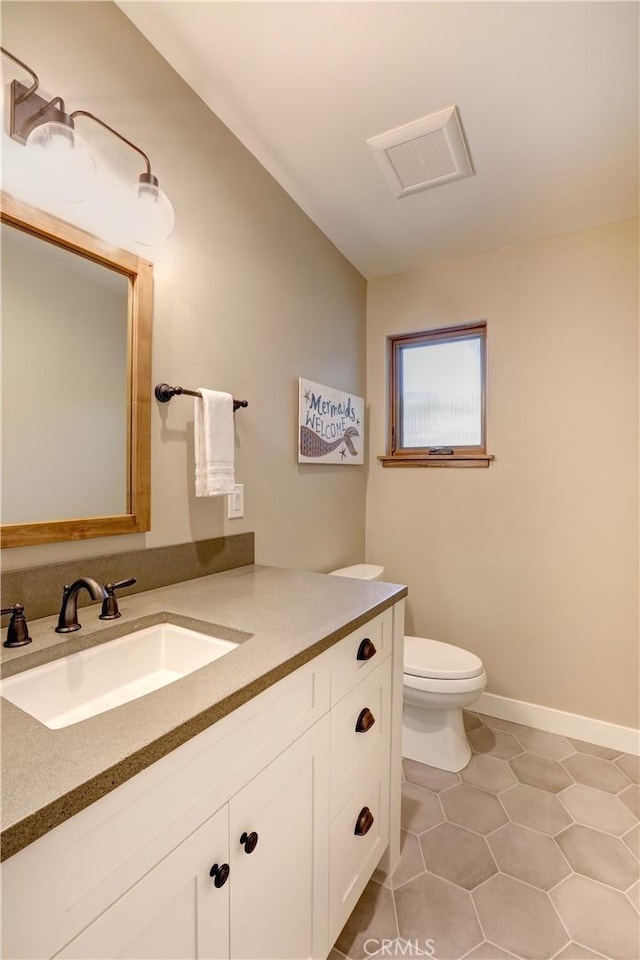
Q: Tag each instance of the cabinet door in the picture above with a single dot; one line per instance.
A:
(279, 891)
(174, 913)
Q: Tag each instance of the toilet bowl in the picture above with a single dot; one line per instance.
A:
(439, 681)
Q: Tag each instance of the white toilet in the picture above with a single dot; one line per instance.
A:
(439, 680)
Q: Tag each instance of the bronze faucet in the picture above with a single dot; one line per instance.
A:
(68, 619)
(110, 605)
(18, 632)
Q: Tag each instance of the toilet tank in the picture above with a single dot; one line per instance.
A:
(360, 571)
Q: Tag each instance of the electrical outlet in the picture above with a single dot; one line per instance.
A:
(235, 502)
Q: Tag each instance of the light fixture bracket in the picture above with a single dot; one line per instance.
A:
(22, 110)
(148, 178)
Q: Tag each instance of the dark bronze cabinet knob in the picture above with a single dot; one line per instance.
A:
(249, 841)
(366, 650)
(365, 721)
(364, 822)
(220, 874)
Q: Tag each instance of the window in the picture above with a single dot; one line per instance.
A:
(437, 398)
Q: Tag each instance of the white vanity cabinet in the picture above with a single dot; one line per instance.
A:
(176, 912)
(130, 875)
(278, 892)
(365, 761)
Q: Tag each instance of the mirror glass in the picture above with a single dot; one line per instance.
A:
(76, 382)
(64, 383)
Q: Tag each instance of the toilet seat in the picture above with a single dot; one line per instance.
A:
(442, 687)
(432, 659)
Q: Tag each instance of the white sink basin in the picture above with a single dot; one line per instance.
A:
(88, 683)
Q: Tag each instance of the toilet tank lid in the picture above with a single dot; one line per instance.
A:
(443, 661)
(360, 571)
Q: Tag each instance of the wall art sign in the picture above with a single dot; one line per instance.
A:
(331, 425)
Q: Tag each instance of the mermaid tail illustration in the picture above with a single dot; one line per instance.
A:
(311, 445)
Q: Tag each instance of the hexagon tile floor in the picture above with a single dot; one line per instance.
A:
(531, 852)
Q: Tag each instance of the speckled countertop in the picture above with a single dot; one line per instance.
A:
(282, 618)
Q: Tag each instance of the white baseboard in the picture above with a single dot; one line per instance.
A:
(625, 739)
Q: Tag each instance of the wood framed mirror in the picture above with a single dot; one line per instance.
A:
(76, 382)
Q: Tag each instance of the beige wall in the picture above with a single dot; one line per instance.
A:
(249, 295)
(532, 563)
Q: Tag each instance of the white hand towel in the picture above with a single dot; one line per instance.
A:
(214, 443)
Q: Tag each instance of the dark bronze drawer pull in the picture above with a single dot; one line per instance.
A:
(366, 650)
(364, 822)
(249, 841)
(220, 874)
(365, 721)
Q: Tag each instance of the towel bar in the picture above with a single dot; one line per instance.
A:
(164, 393)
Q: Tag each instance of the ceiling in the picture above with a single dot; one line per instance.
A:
(547, 94)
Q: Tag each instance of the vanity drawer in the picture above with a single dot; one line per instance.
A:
(355, 743)
(360, 653)
(353, 858)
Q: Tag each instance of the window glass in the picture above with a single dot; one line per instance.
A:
(441, 393)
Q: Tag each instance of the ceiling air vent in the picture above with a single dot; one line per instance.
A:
(423, 154)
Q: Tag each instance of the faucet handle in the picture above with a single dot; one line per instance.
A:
(110, 603)
(18, 631)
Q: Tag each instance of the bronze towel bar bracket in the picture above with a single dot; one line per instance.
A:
(164, 393)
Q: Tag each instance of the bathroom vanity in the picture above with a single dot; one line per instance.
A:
(236, 813)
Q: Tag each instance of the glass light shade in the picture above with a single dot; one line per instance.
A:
(63, 160)
(149, 214)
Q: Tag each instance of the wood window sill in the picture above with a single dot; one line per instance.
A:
(424, 460)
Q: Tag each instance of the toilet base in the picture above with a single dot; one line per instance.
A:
(436, 737)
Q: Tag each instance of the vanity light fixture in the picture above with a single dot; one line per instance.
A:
(48, 132)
